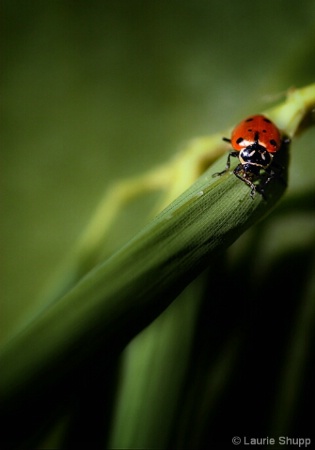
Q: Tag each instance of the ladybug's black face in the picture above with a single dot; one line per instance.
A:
(255, 155)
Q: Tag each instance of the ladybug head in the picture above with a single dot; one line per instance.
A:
(255, 156)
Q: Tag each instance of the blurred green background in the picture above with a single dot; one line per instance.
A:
(92, 92)
(95, 91)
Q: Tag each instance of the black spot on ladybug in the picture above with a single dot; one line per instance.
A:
(264, 131)
(273, 142)
(267, 120)
(249, 119)
(239, 140)
(250, 129)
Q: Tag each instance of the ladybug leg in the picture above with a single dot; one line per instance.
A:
(271, 174)
(286, 141)
(246, 180)
(228, 164)
(261, 187)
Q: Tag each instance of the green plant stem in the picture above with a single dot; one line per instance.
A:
(124, 294)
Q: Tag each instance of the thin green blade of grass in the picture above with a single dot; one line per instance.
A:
(292, 116)
(153, 370)
(125, 293)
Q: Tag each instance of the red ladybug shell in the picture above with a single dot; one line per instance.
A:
(256, 129)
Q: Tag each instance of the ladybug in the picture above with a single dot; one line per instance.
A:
(254, 142)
